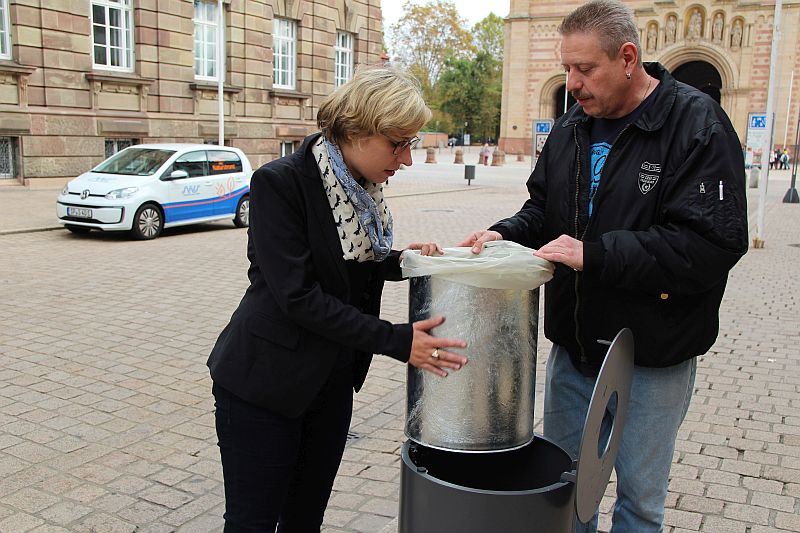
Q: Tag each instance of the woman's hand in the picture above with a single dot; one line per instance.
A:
(477, 239)
(425, 248)
(427, 351)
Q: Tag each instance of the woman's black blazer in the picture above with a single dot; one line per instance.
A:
(294, 320)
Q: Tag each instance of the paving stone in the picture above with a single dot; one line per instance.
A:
(20, 523)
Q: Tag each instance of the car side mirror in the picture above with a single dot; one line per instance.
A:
(178, 174)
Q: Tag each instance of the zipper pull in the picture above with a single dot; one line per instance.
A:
(702, 188)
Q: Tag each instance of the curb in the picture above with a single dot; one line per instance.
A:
(29, 230)
(426, 193)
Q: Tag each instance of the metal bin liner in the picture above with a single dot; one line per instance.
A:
(491, 301)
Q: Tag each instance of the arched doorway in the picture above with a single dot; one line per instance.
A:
(700, 75)
(559, 101)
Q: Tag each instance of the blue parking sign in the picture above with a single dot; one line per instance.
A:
(758, 121)
(543, 126)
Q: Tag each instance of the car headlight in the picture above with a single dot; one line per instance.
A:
(65, 190)
(118, 194)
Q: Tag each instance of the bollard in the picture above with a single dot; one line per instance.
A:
(430, 155)
(469, 173)
(459, 157)
(520, 156)
(498, 158)
(755, 173)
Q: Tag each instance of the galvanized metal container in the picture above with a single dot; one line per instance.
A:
(488, 405)
(538, 487)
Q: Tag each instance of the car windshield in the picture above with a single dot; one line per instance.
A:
(134, 162)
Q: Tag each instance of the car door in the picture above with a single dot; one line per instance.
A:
(228, 177)
(191, 197)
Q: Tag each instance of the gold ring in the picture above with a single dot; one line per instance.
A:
(435, 353)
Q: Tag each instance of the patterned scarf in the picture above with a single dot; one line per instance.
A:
(362, 217)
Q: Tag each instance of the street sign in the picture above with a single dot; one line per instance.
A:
(757, 135)
(541, 129)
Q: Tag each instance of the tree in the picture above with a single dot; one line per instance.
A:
(470, 91)
(489, 35)
(425, 36)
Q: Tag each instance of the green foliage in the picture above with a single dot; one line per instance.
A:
(426, 35)
(470, 91)
(489, 34)
(460, 70)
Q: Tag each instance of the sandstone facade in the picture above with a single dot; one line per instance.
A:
(732, 37)
(59, 111)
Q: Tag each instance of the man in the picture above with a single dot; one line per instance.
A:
(639, 199)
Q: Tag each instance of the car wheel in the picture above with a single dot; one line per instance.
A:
(242, 218)
(78, 230)
(147, 222)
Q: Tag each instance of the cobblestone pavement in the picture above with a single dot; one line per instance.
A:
(106, 418)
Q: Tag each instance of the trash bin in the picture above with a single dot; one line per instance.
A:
(469, 173)
(472, 463)
(537, 487)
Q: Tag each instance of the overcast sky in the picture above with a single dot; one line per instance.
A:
(472, 10)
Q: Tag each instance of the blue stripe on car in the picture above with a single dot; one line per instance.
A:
(204, 207)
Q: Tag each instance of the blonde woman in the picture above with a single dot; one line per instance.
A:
(302, 338)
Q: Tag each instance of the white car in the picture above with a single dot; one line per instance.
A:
(147, 187)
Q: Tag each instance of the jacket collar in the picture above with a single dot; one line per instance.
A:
(654, 116)
(321, 209)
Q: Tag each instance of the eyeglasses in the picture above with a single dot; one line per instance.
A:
(399, 146)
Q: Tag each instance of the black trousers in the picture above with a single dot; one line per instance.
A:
(280, 470)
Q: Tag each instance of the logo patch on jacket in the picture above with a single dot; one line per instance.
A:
(647, 180)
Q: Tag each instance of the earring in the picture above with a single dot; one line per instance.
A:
(628, 75)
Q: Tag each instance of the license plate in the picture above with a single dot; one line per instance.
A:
(79, 212)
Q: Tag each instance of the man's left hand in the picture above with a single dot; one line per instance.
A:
(564, 250)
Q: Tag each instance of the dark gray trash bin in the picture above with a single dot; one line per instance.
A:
(534, 488)
(469, 173)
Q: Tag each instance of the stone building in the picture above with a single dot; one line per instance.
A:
(81, 79)
(720, 46)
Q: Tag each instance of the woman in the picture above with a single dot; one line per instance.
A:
(303, 336)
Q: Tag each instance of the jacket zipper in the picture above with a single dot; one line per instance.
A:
(577, 223)
(582, 349)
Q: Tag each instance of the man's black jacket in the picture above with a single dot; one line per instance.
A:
(669, 221)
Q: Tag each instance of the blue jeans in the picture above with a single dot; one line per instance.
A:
(659, 401)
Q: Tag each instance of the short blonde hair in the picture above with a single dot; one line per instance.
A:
(378, 100)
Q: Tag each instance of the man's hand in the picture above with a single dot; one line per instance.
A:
(565, 250)
(477, 239)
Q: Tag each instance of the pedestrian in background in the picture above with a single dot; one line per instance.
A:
(639, 199)
(320, 247)
(486, 153)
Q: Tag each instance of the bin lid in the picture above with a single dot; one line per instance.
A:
(596, 459)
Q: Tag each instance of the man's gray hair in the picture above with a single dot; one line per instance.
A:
(610, 20)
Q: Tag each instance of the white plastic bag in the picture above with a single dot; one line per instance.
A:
(500, 265)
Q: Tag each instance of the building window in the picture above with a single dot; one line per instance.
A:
(284, 60)
(5, 31)
(8, 156)
(344, 58)
(115, 145)
(206, 24)
(287, 148)
(112, 34)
